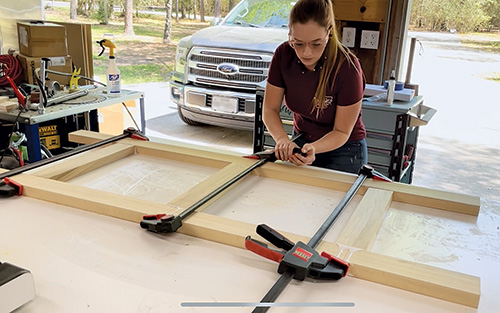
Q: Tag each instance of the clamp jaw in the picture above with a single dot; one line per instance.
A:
(161, 223)
(9, 188)
(135, 134)
(298, 258)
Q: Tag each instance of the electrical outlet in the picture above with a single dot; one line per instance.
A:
(348, 36)
(369, 39)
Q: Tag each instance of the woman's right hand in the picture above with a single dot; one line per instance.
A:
(284, 149)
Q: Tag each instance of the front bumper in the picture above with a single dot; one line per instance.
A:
(197, 104)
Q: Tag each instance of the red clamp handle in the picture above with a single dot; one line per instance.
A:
(20, 97)
(263, 250)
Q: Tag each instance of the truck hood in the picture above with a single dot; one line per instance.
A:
(241, 38)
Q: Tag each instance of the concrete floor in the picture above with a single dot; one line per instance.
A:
(458, 150)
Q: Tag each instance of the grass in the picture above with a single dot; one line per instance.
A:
(137, 74)
(488, 42)
(489, 46)
(141, 58)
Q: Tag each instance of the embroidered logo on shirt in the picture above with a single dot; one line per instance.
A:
(328, 102)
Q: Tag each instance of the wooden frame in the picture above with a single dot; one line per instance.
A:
(353, 243)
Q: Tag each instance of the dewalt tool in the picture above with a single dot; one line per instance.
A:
(9, 187)
(168, 223)
(301, 260)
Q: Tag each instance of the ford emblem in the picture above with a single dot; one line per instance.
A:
(226, 68)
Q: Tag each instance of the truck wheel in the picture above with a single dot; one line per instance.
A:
(187, 120)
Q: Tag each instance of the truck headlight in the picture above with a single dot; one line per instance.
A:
(180, 59)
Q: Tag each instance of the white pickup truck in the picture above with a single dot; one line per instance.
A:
(218, 69)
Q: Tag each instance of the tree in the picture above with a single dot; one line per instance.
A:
(177, 11)
(194, 9)
(129, 26)
(468, 15)
(217, 10)
(202, 11)
(105, 12)
(168, 22)
(72, 9)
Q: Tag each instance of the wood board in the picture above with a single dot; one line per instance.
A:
(49, 184)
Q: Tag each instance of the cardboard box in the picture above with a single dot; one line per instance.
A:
(113, 119)
(40, 39)
(60, 64)
(79, 39)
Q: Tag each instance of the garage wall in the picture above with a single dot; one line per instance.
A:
(10, 10)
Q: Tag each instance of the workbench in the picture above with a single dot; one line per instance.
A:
(95, 99)
(87, 262)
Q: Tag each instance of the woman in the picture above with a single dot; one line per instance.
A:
(322, 83)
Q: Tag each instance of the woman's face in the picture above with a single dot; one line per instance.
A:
(309, 41)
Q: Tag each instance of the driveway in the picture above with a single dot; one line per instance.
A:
(459, 150)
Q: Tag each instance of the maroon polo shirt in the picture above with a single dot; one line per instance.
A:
(286, 71)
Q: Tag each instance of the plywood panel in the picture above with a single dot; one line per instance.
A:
(146, 177)
(364, 224)
(361, 10)
(81, 164)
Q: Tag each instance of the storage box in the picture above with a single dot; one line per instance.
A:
(113, 119)
(79, 39)
(40, 39)
(60, 64)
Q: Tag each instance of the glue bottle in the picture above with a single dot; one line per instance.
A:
(391, 85)
(112, 73)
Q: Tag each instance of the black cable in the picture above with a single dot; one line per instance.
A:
(46, 150)
(79, 76)
(10, 136)
(44, 99)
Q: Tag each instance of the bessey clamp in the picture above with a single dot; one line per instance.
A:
(161, 223)
(298, 258)
(10, 188)
(135, 134)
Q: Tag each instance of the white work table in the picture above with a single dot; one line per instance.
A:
(86, 262)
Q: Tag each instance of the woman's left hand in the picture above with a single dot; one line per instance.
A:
(300, 160)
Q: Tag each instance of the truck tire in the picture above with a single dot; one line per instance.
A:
(187, 120)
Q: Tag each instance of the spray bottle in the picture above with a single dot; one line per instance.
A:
(391, 85)
(112, 73)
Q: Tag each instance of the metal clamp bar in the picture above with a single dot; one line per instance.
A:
(287, 276)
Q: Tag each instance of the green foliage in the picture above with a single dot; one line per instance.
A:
(461, 15)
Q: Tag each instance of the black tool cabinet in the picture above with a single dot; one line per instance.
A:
(391, 134)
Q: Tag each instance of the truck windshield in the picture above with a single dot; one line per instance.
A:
(260, 13)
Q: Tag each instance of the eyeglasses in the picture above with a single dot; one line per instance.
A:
(299, 45)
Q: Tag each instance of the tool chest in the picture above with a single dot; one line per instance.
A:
(391, 133)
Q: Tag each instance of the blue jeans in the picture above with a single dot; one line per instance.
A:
(348, 158)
